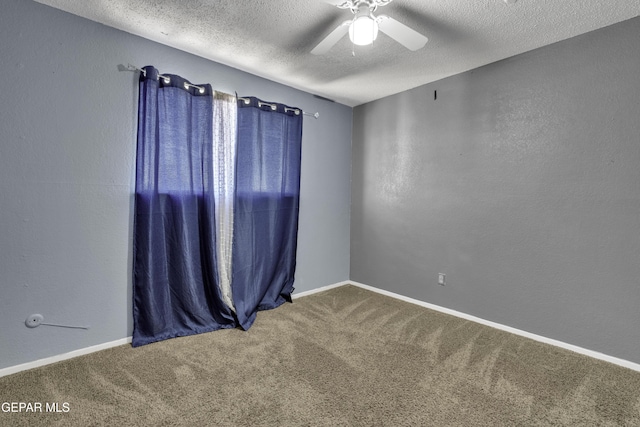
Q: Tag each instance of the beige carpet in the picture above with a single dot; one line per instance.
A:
(345, 356)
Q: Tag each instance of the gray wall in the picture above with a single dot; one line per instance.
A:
(521, 183)
(67, 153)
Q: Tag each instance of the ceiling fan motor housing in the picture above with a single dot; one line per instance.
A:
(363, 6)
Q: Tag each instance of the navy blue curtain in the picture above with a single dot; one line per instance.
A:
(175, 291)
(266, 206)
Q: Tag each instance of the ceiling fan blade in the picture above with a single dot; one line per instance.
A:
(333, 37)
(343, 4)
(409, 38)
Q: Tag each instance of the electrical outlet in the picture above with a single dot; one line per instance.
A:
(441, 279)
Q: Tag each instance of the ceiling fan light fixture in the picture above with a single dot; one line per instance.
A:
(364, 26)
(363, 30)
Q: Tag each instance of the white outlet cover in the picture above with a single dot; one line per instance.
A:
(34, 320)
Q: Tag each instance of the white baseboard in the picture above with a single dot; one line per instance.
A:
(597, 355)
(561, 344)
(60, 357)
(53, 359)
(322, 289)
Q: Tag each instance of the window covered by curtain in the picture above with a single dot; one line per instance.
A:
(266, 206)
(175, 290)
(216, 208)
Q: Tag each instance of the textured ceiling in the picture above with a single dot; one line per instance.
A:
(273, 38)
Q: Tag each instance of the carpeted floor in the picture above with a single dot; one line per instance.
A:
(346, 356)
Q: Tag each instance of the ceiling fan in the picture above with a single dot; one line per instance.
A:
(363, 28)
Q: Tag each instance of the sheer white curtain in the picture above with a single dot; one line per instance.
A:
(224, 157)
